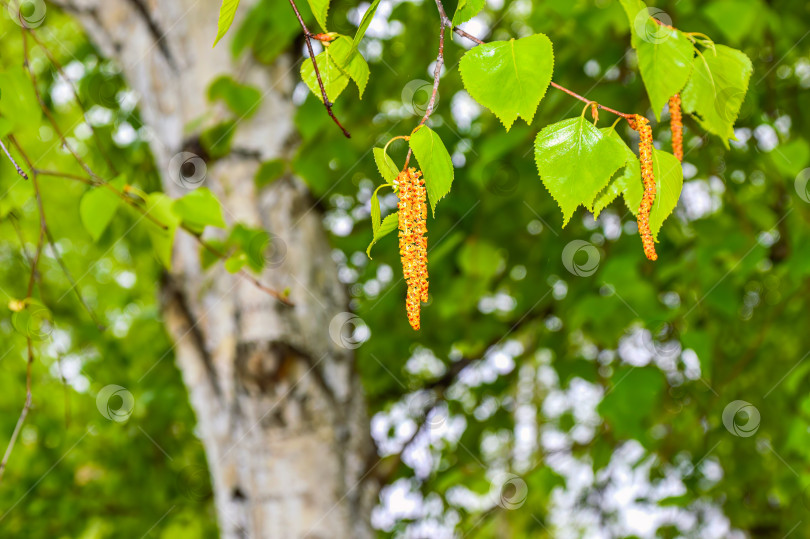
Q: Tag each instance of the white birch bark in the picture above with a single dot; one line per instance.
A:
(278, 402)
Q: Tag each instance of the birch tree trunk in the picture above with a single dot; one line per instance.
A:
(278, 402)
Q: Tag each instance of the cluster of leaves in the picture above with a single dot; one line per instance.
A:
(721, 294)
(734, 292)
(579, 164)
(73, 471)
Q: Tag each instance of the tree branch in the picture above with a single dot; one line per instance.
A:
(308, 38)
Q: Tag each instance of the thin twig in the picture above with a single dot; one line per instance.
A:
(23, 414)
(32, 279)
(586, 100)
(437, 72)
(308, 38)
(13, 162)
(242, 273)
(79, 102)
(47, 111)
(72, 281)
(98, 181)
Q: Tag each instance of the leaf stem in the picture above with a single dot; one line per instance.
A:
(308, 36)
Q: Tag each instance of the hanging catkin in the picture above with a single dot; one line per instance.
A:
(642, 125)
(676, 125)
(413, 240)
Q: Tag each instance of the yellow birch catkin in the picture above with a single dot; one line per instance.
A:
(412, 212)
(645, 145)
(676, 125)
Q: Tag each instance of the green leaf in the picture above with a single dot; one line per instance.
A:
(5, 126)
(350, 62)
(716, 90)
(226, 14)
(466, 10)
(435, 162)
(198, 209)
(235, 263)
(632, 8)
(388, 169)
(375, 208)
(791, 158)
(364, 24)
(242, 99)
(627, 183)
(217, 139)
(252, 243)
(334, 79)
(664, 60)
(268, 172)
(509, 77)
(626, 407)
(669, 182)
(268, 29)
(18, 102)
(34, 321)
(320, 8)
(735, 18)
(159, 206)
(208, 257)
(576, 161)
(98, 207)
(388, 225)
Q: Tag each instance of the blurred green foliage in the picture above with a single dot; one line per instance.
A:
(74, 472)
(730, 285)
